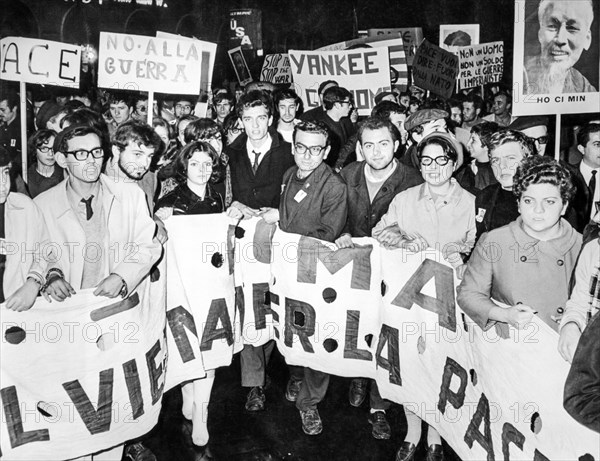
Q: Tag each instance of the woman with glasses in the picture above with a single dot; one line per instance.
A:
(43, 173)
(232, 127)
(436, 214)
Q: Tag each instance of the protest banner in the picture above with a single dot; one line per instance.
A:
(480, 64)
(545, 85)
(238, 61)
(82, 375)
(435, 69)
(411, 39)
(200, 295)
(453, 36)
(363, 72)
(398, 61)
(276, 69)
(141, 63)
(208, 53)
(245, 28)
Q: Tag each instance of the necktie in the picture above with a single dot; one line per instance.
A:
(255, 164)
(592, 190)
(88, 207)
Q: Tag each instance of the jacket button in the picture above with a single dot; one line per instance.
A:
(384, 189)
(560, 262)
(523, 258)
(560, 310)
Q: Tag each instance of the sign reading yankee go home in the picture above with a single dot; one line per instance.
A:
(136, 62)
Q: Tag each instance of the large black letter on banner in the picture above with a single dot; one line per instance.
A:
(511, 434)
(179, 319)
(14, 421)
(240, 304)
(456, 399)
(299, 320)
(134, 388)
(311, 250)
(351, 350)
(391, 337)
(218, 311)
(537, 456)
(260, 304)
(155, 372)
(473, 434)
(444, 305)
(96, 421)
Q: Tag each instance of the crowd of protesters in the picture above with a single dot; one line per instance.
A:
(419, 172)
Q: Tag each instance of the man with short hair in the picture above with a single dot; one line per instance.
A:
(313, 204)
(223, 104)
(183, 105)
(316, 113)
(121, 108)
(472, 107)
(565, 32)
(419, 125)
(501, 110)
(372, 185)
(478, 174)
(455, 110)
(258, 160)
(10, 123)
(536, 127)
(287, 103)
(140, 109)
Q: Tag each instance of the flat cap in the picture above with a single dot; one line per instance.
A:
(522, 123)
(423, 116)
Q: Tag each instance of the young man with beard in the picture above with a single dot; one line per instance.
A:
(372, 184)
(565, 32)
(287, 104)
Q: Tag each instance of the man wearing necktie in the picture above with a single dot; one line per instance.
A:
(258, 159)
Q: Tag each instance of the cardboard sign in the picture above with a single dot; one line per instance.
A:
(276, 69)
(435, 69)
(363, 72)
(480, 64)
(40, 61)
(238, 61)
(454, 36)
(245, 28)
(544, 85)
(209, 51)
(411, 39)
(83, 375)
(141, 63)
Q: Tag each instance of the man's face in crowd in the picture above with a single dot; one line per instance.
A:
(134, 160)
(539, 134)
(501, 105)
(505, 159)
(470, 113)
(398, 120)
(565, 31)
(378, 148)
(591, 151)
(223, 108)
(183, 108)
(234, 131)
(307, 162)
(7, 114)
(4, 183)
(256, 122)
(287, 110)
(141, 111)
(456, 115)
(181, 131)
(435, 126)
(87, 170)
(405, 100)
(476, 148)
(344, 106)
(120, 112)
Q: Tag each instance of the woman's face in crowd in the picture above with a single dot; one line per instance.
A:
(505, 159)
(541, 207)
(216, 141)
(45, 153)
(235, 131)
(435, 174)
(199, 168)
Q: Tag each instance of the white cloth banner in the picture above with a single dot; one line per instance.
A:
(83, 375)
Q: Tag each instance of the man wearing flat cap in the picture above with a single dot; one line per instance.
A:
(419, 125)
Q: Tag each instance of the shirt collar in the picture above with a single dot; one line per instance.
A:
(586, 171)
(266, 147)
(452, 197)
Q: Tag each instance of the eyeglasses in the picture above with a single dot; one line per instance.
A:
(235, 130)
(301, 149)
(541, 139)
(45, 149)
(216, 136)
(183, 106)
(441, 161)
(346, 102)
(82, 154)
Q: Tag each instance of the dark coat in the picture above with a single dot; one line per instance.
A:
(579, 211)
(322, 212)
(364, 215)
(582, 389)
(185, 202)
(264, 188)
(489, 213)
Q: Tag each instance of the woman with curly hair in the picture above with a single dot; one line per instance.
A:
(527, 264)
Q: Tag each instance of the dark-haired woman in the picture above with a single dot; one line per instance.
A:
(43, 173)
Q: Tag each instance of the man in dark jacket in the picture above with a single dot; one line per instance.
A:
(258, 159)
(314, 204)
(372, 185)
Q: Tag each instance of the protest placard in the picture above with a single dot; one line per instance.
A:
(141, 63)
(480, 64)
(276, 69)
(245, 28)
(238, 61)
(547, 79)
(411, 39)
(363, 72)
(209, 51)
(453, 36)
(435, 69)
